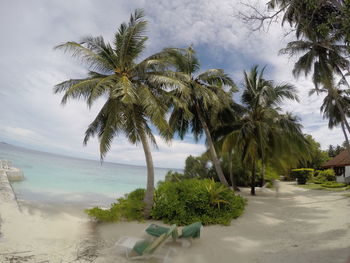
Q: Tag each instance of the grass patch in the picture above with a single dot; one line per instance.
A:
(346, 195)
(312, 186)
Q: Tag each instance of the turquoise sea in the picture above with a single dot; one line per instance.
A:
(54, 178)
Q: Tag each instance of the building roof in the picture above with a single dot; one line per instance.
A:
(341, 160)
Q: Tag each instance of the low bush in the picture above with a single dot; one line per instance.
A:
(271, 175)
(128, 208)
(181, 202)
(269, 185)
(191, 200)
(324, 176)
(172, 176)
(302, 175)
(333, 185)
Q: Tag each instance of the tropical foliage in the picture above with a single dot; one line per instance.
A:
(302, 175)
(317, 156)
(127, 208)
(200, 101)
(335, 100)
(322, 47)
(334, 150)
(182, 203)
(264, 133)
(323, 176)
(193, 200)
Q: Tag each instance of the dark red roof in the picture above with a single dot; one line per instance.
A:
(341, 160)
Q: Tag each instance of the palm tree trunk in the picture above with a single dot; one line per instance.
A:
(232, 178)
(346, 137)
(342, 114)
(150, 176)
(252, 182)
(213, 154)
(263, 172)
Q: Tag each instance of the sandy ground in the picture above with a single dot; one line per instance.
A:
(36, 236)
(298, 226)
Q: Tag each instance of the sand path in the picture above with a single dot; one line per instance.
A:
(298, 226)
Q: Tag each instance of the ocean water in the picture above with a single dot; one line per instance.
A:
(58, 179)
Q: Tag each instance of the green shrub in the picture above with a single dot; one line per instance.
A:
(333, 185)
(104, 215)
(174, 176)
(192, 200)
(302, 175)
(197, 167)
(269, 185)
(322, 176)
(326, 175)
(129, 208)
(271, 175)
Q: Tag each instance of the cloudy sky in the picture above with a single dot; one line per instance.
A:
(31, 115)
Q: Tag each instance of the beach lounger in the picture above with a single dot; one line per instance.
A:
(155, 230)
(188, 233)
(137, 248)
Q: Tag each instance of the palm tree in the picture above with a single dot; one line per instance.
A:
(290, 145)
(309, 18)
(262, 129)
(228, 122)
(331, 111)
(198, 101)
(133, 91)
(327, 58)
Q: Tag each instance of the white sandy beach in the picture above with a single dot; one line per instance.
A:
(298, 226)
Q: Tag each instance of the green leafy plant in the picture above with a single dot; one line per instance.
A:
(129, 208)
(302, 175)
(216, 193)
(192, 200)
(323, 176)
(172, 176)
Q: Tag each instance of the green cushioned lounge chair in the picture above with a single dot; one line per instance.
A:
(136, 248)
(187, 234)
(156, 231)
(192, 230)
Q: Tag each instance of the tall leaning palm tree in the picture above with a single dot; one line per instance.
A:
(262, 129)
(331, 111)
(199, 100)
(326, 58)
(132, 90)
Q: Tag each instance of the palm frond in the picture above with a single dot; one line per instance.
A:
(130, 40)
(85, 55)
(76, 88)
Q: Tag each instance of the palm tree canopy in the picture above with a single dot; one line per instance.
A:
(324, 58)
(134, 90)
(329, 107)
(259, 92)
(263, 130)
(209, 91)
(310, 18)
